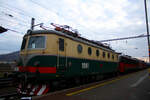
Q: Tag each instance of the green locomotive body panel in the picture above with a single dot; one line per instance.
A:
(70, 67)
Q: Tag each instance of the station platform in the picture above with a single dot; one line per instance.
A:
(134, 86)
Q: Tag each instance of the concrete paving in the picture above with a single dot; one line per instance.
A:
(135, 86)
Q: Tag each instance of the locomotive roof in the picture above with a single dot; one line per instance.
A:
(76, 38)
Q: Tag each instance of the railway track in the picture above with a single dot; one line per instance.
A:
(6, 82)
(7, 89)
(9, 95)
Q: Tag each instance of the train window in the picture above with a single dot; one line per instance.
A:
(104, 54)
(89, 51)
(79, 48)
(61, 44)
(108, 55)
(116, 57)
(97, 53)
(36, 42)
(23, 43)
(113, 57)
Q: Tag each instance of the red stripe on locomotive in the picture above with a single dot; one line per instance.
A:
(40, 69)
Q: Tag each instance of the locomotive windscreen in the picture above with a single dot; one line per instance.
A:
(36, 42)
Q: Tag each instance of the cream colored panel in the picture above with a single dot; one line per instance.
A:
(70, 49)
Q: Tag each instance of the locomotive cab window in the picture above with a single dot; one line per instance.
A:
(61, 44)
(36, 42)
(89, 51)
(23, 43)
(79, 48)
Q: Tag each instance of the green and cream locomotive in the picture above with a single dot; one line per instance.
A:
(61, 56)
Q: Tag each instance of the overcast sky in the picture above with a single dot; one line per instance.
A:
(94, 19)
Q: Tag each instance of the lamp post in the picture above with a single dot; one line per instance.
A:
(147, 27)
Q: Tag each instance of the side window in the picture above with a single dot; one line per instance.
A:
(116, 57)
(97, 53)
(89, 50)
(113, 57)
(108, 55)
(104, 54)
(79, 48)
(61, 44)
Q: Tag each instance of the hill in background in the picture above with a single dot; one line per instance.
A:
(10, 56)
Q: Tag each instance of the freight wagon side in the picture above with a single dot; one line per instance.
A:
(126, 63)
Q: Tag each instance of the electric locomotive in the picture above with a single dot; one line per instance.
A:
(50, 58)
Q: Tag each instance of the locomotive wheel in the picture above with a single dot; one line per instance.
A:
(55, 85)
(99, 77)
(93, 78)
(77, 81)
(24, 81)
(63, 84)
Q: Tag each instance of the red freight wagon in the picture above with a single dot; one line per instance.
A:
(126, 63)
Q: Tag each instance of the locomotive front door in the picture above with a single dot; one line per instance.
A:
(61, 57)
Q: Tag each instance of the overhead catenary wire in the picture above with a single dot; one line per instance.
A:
(16, 19)
(12, 22)
(124, 38)
(21, 12)
(24, 13)
(27, 15)
(39, 5)
(13, 30)
(13, 19)
(10, 29)
(12, 16)
(47, 9)
(16, 10)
